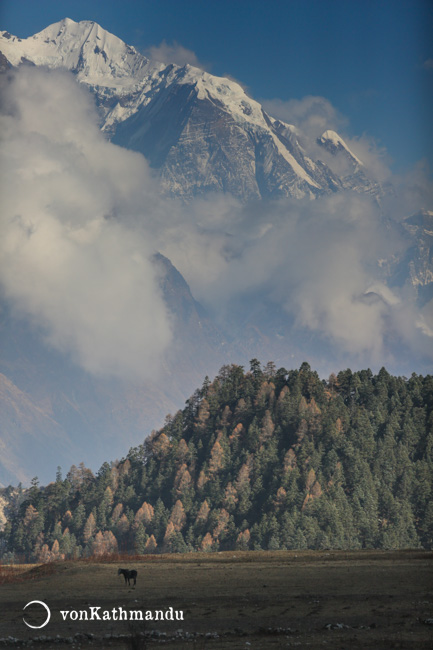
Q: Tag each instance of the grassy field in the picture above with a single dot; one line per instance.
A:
(369, 600)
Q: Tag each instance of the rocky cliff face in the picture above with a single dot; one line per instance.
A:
(415, 266)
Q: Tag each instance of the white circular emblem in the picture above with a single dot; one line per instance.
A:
(39, 602)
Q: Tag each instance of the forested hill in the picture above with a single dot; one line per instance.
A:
(264, 459)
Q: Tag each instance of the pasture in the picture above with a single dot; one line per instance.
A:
(359, 600)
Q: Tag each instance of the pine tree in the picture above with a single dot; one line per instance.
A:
(140, 540)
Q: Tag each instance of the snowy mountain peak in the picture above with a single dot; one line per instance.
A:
(203, 133)
(84, 47)
(335, 143)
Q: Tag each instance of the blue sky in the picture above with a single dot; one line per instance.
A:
(373, 60)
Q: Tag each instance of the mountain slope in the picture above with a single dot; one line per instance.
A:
(415, 266)
(30, 436)
(202, 132)
(54, 413)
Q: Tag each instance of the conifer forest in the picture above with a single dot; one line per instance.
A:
(259, 459)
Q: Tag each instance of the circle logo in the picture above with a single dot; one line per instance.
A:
(39, 602)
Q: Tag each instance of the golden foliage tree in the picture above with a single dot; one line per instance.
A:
(230, 497)
(151, 544)
(178, 516)
(216, 458)
(89, 528)
(207, 542)
(117, 512)
(243, 539)
(203, 513)
(104, 543)
(289, 462)
(182, 480)
(222, 521)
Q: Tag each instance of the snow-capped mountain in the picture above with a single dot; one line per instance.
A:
(97, 57)
(355, 176)
(203, 132)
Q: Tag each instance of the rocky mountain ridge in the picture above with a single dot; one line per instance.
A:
(202, 132)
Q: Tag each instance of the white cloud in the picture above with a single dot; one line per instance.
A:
(311, 114)
(66, 260)
(174, 53)
(318, 260)
(81, 219)
(314, 115)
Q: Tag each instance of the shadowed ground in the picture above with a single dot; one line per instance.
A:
(367, 599)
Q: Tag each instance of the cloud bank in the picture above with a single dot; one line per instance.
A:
(81, 219)
(318, 262)
(66, 259)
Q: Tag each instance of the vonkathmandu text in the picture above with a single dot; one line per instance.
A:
(121, 614)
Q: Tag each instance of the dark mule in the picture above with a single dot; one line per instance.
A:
(128, 575)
